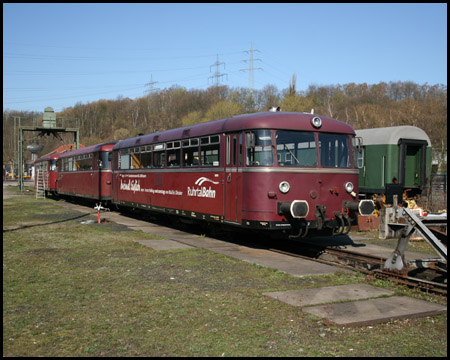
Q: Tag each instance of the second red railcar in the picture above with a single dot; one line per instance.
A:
(86, 172)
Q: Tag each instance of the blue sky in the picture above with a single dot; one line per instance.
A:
(60, 54)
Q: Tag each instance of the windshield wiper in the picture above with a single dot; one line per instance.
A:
(290, 152)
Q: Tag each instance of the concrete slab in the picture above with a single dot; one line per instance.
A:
(306, 297)
(205, 242)
(163, 244)
(294, 266)
(365, 312)
(288, 264)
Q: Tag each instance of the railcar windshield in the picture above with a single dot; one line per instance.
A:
(259, 148)
(52, 165)
(334, 150)
(295, 148)
(105, 160)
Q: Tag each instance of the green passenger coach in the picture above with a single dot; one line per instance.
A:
(393, 155)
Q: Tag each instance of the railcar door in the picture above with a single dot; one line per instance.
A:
(96, 176)
(232, 178)
(115, 176)
(412, 162)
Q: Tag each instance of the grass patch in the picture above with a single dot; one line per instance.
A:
(89, 290)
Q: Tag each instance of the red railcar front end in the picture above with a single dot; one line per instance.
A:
(307, 199)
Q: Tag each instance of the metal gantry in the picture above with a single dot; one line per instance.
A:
(48, 127)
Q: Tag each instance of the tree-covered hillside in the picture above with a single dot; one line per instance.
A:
(360, 105)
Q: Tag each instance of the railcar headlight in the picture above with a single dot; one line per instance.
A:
(316, 122)
(284, 187)
(349, 187)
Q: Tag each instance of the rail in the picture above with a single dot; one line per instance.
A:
(424, 279)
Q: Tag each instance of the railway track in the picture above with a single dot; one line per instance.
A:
(430, 279)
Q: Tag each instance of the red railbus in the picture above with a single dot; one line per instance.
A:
(45, 172)
(86, 172)
(274, 170)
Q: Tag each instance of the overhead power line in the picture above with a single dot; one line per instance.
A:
(99, 58)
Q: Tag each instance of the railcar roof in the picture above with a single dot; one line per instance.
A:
(88, 149)
(391, 135)
(47, 157)
(263, 120)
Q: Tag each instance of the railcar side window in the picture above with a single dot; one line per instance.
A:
(75, 166)
(173, 154)
(295, 148)
(64, 165)
(234, 149)
(210, 150)
(124, 159)
(360, 158)
(146, 157)
(240, 149)
(259, 148)
(83, 162)
(135, 158)
(190, 152)
(358, 151)
(159, 156)
(334, 150)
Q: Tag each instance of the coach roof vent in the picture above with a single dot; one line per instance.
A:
(186, 133)
(275, 109)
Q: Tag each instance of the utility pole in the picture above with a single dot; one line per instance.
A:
(217, 75)
(17, 125)
(151, 83)
(251, 68)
